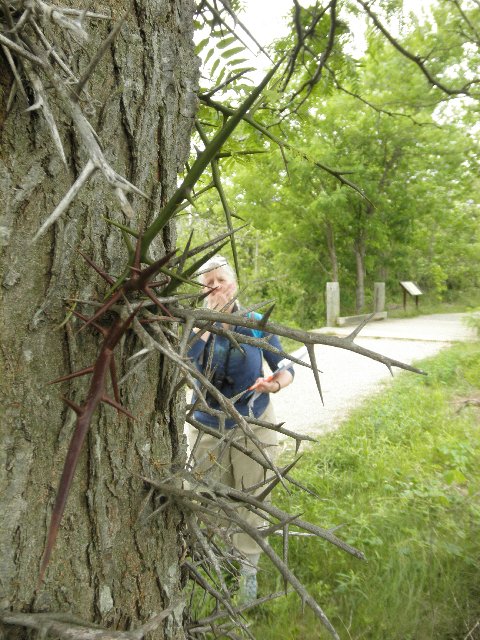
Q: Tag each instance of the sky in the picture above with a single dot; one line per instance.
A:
(266, 19)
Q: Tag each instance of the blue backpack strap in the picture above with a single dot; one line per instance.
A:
(257, 333)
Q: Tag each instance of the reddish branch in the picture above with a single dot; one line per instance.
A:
(140, 281)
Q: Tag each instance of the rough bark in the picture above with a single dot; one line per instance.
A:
(107, 566)
(332, 251)
(359, 249)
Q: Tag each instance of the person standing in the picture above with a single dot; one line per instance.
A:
(235, 370)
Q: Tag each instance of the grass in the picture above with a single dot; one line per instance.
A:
(402, 477)
(429, 303)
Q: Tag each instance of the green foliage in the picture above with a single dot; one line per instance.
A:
(378, 122)
(474, 321)
(401, 476)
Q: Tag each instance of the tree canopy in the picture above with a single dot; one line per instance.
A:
(398, 123)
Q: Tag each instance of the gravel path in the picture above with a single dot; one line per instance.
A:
(349, 378)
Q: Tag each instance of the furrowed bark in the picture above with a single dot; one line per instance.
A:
(105, 568)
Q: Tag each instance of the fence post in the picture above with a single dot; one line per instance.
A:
(379, 297)
(333, 303)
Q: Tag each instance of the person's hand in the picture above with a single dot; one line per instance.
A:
(272, 384)
(221, 296)
(264, 385)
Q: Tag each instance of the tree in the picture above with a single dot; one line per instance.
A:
(383, 129)
(122, 136)
(111, 563)
(141, 101)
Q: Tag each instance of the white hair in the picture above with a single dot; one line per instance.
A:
(217, 262)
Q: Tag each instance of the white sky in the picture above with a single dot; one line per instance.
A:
(266, 19)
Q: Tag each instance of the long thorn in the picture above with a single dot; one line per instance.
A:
(72, 405)
(357, 330)
(99, 54)
(70, 376)
(116, 296)
(313, 362)
(67, 198)
(117, 406)
(101, 272)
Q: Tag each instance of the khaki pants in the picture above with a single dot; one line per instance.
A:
(237, 470)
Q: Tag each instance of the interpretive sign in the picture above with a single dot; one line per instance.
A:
(412, 289)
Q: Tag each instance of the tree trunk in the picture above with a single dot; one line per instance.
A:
(383, 270)
(359, 248)
(108, 565)
(332, 252)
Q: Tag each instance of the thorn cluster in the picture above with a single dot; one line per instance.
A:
(141, 281)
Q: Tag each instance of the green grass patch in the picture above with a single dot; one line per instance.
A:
(402, 478)
(428, 304)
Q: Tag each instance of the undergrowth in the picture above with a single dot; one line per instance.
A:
(458, 302)
(402, 478)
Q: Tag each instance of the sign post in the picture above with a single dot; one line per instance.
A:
(412, 289)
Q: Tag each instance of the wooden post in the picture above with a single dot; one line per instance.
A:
(379, 297)
(333, 303)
